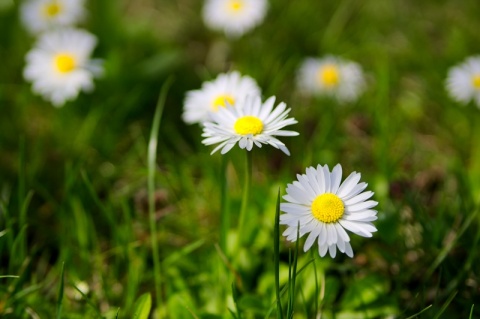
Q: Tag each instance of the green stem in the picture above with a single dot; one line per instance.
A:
(241, 236)
(224, 210)
(276, 255)
(152, 157)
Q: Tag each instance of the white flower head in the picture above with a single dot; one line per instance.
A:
(249, 122)
(324, 207)
(234, 17)
(331, 76)
(227, 88)
(463, 81)
(42, 15)
(59, 66)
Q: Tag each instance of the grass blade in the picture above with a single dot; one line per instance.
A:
(422, 311)
(88, 301)
(152, 157)
(445, 305)
(235, 301)
(60, 293)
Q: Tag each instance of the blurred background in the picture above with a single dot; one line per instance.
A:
(73, 180)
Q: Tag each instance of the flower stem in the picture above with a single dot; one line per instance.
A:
(224, 209)
(245, 198)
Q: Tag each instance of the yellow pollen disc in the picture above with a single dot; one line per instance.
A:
(236, 5)
(64, 62)
(51, 9)
(328, 208)
(248, 125)
(222, 100)
(476, 81)
(328, 75)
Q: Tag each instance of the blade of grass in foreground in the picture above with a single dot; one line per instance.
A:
(88, 301)
(152, 157)
(416, 315)
(60, 293)
(276, 256)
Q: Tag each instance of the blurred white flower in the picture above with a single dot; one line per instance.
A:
(234, 17)
(325, 208)
(463, 81)
(331, 76)
(43, 15)
(59, 66)
(227, 88)
(249, 122)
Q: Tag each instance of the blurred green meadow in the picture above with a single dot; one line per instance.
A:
(73, 180)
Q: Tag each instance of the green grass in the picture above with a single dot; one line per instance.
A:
(77, 204)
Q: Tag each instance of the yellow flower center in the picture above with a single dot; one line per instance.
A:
(248, 125)
(476, 81)
(236, 5)
(64, 62)
(328, 208)
(51, 9)
(222, 100)
(329, 76)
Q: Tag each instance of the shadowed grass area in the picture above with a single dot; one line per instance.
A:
(75, 225)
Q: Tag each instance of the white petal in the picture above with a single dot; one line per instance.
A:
(331, 234)
(348, 184)
(335, 178)
(322, 237)
(359, 198)
(362, 206)
(327, 179)
(348, 250)
(311, 238)
(333, 250)
(322, 249)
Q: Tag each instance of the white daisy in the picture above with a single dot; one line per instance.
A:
(234, 17)
(331, 76)
(59, 66)
(42, 15)
(325, 208)
(249, 122)
(463, 81)
(227, 88)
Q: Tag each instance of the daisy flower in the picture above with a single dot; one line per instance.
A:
(463, 81)
(234, 17)
(324, 208)
(42, 15)
(331, 76)
(249, 122)
(59, 66)
(227, 88)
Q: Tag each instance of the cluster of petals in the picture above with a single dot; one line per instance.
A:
(221, 128)
(300, 219)
(234, 17)
(331, 76)
(225, 88)
(59, 66)
(463, 81)
(44, 15)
